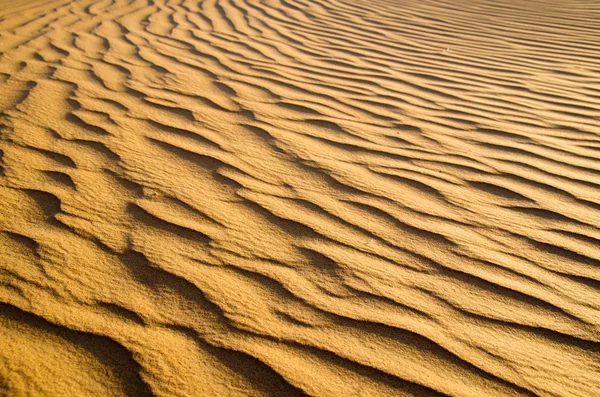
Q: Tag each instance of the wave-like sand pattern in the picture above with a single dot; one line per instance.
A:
(300, 197)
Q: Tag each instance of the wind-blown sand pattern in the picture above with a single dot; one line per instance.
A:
(300, 197)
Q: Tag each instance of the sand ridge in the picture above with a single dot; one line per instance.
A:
(299, 197)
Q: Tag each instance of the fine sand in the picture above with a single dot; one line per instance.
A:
(300, 198)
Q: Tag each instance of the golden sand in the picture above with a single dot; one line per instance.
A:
(300, 198)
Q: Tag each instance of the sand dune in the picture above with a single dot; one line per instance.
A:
(300, 197)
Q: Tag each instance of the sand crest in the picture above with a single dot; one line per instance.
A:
(300, 198)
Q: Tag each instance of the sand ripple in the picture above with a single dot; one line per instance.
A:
(299, 197)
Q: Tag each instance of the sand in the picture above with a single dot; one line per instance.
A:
(300, 198)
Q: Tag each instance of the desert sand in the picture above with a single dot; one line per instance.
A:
(300, 198)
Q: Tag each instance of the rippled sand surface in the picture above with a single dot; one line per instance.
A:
(300, 198)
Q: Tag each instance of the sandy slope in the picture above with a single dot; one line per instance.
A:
(300, 197)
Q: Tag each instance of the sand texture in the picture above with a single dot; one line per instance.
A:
(300, 198)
